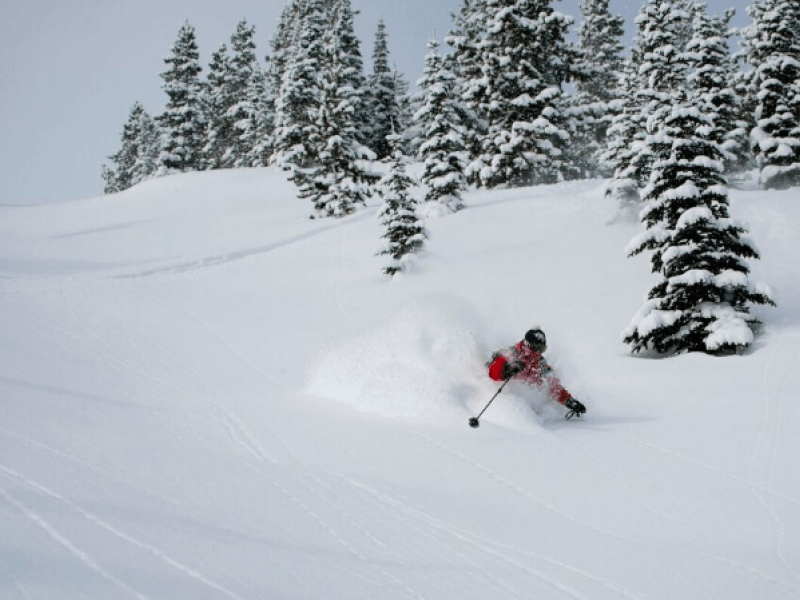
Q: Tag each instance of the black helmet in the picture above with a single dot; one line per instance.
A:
(536, 339)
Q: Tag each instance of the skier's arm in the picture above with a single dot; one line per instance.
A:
(497, 367)
(557, 391)
(502, 366)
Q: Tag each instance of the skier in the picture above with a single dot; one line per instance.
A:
(525, 362)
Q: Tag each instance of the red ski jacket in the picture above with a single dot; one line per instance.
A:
(536, 371)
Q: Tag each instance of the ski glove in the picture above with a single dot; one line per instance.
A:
(575, 406)
(512, 369)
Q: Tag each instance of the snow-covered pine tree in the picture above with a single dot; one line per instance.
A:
(118, 177)
(712, 81)
(137, 158)
(598, 89)
(525, 60)
(662, 73)
(443, 149)
(384, 108)
(339, 182)
(772, 47)
(284, 45)
(327, 162)
(627, 132)
(300, 91)
(183, 122)
(469, 28)
(109, 176)
(701, 302)
(653, 76)
(405, 109)
(242, 113)
(262, 125)
(404, 233)
(218, 100)
(284, 42)
(353, 68)
(149, 149)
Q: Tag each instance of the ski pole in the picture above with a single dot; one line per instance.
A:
(474, 421)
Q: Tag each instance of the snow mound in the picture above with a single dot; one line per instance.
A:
(426, 362)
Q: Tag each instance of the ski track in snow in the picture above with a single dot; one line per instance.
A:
(660, 515)
(228, 258)
(219, 337)
(481, 544)
(758, 488)
(517, 489)
(239, 434)
(62, 541)
(444, 549)
(249, 443)
(119, 479)
(163, 556)
(303, 475)
(19, 590)
(223, 260)
(771, 420)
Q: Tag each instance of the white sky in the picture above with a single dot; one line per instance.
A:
(70, 71)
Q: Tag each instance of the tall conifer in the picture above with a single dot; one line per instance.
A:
(701, 302)
(465, 61)
(443, 149)
(383, 96)
(772, 48)
(525, 59)
(404, 233)
(183, 122)
(218, 101)
(712, 81)
(137, 158)
(599, 87)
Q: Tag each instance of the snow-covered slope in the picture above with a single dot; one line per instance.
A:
(204, 394)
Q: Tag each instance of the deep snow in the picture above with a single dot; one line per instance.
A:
(205, 394)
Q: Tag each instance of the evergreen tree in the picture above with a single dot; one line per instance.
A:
(317, 131)
(109, 176)
(443, 150)
(335, 179)
(262, 126)
(219, 100)
(118, 177)
(465, 61)
(598, 89)
(525, 61)
(772, 47)
(300, 91)
(242, 113)
(183, 122)
(712, 82)
(406, 108)
(662, 73)
(654, 76)
(284, 43)
(701, 301)
(352, 64)
(625, 135)
(149, 149)
(137, 158)
(383, 96)
(404, 233)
